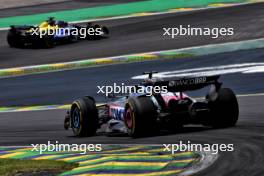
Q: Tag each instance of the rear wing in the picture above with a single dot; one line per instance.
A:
(189, 84)
(23, 27)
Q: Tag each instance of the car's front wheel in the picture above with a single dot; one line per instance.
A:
(84, 117)
(105, 32)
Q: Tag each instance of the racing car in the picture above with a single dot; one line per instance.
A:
(140, 114)
(52, 32)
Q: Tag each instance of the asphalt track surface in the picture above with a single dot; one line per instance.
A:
(142, 34)
(24, 128)
(136, 35)
(63, 87)
(4, 4)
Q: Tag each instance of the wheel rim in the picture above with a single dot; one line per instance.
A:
(76, 118)
(129, 118)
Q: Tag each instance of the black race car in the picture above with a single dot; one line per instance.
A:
(52, 32)
(140, 114)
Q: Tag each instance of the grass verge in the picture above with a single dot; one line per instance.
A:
(10, 167)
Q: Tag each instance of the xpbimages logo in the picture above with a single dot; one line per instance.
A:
(188, 30)
(57, 147)
(190, 147)
(71, 31)
(125, 89)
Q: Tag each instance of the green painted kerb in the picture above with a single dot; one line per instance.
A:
(89, 62)
(162, 55)
(113, 10)
(114, 160)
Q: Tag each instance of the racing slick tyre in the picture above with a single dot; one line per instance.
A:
(224, 109)
(140, 116)
(105, 32)
(13, 40)
(84, 117)
(48, 42)
(73, 38)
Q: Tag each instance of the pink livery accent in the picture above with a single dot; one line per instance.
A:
(173, 96)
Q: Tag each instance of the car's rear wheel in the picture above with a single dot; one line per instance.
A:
(84, 117)
(224, 110)
(140, 116)
(13, 39)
